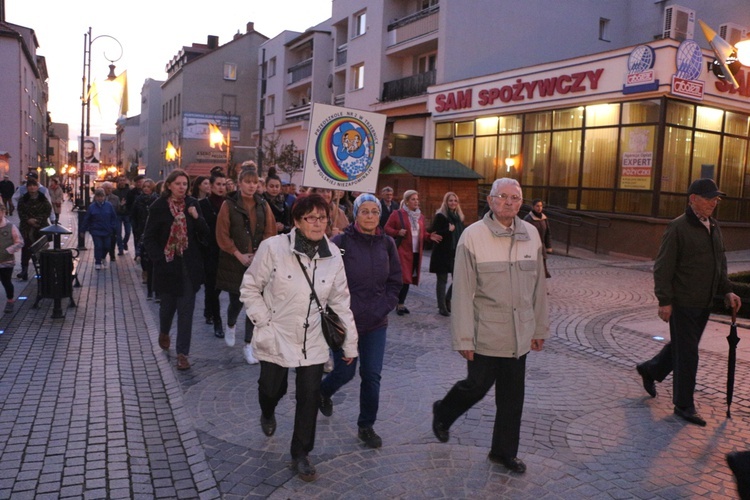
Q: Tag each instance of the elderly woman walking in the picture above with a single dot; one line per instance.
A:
(277, 295)
(171, 238)
(373, 272)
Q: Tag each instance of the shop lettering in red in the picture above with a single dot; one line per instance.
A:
(744, 90)
(460, 99)
(546, 87)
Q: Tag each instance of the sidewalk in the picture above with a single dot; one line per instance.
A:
(91, 407)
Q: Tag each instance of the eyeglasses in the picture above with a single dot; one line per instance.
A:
(368, 213)
(503, 196)
(311, 219)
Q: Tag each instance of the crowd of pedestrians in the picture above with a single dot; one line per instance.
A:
(286, 254)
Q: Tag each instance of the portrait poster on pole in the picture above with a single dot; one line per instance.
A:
(89, 150)
(343, 149)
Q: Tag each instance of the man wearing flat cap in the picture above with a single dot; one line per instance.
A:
(689, 270)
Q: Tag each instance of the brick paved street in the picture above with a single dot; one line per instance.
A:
(91, 407)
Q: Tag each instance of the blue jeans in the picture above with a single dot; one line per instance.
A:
(371, 351)
(101, 247)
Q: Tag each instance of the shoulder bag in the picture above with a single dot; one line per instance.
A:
(334, 330)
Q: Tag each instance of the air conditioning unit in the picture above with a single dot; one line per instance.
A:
(679, 23)
(732, 32)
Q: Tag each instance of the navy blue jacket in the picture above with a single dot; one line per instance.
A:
(373, 272)
(100, 219)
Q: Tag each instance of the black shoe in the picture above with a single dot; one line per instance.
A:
(23, 277)
(209, 320)
(514, 464)
(401, 310)
(268, 425)
(689, 415)
(370, 437)
(438, 428)
(448, 305)
(218, 331)
(125, 247)
(444, 312)
(304, 469)
(648, 382)
(120, 253)
(326, 406)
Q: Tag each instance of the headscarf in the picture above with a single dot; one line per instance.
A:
(363, 198)
(177, 242)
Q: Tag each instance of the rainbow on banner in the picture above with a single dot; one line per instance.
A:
(341, 144)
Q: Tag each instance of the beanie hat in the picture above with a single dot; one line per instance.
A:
(363, 198)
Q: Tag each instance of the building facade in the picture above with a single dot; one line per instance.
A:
(149, 138)
(23, 102)
(211, 84)
(128, 145)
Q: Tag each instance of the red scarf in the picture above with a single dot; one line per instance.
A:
(178, 238)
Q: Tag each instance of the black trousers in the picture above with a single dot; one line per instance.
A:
(272, 386)
(183, 305)
(686, 325)
(508, 375)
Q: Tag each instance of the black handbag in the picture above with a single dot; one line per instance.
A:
(334, 330)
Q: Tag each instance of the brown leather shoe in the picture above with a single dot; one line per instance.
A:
(182, 362)
(164, 341)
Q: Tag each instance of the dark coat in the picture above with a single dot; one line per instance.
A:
(100, 219)
(542, 225)
(140, 212)
(373, 272)
(386, 210)
(39, 209)
(168, 276)
(443, 253)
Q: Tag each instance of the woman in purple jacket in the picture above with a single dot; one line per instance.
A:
(373, 271)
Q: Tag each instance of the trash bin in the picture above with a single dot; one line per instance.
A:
(56, 281)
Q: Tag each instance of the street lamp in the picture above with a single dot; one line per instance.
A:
(84, 199)
(216, 138)
(86, 101)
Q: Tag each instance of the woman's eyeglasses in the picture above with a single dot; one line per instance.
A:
(312, 219)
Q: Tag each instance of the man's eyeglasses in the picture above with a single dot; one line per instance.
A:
(311, 219)
(367, 213)
(503, 196)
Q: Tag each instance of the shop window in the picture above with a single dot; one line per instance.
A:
(732, 163)
(443, 150)
(463, 150)
(567, 118)
(672, 205)
(675, 175)
(602, 115)
(600, 158)
(709, 118)
(509, 146)
(536, 122)
(680, 113)
(705, 155)
(566, 158)
(599, 201)
(487, 125)
(640, 112)
(637, 146)
(510, 124)
(736, 124)
(444, 130)
(464, 128)
(485, 158)
(535, 159)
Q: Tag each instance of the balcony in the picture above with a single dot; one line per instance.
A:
(410, 86)
(298, 113)
(413, 26)
(339, 100)
(341, 55)
(300, 71)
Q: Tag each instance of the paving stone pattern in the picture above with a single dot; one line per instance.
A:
(91, 407)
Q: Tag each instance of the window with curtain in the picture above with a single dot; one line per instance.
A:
(443, 149)
(680, 113)
(487, 125)
(538, 121)
(567, 118)
(709, 118)
(463, 149)
(736, 124)
(675, 176)
(464, 128)
(601, 115)
(732, 166)
(600, 158)
(485, 157)
(640, 112)
(509, 146)
(566, 158)
(444, 130)
(705, 155)
(536, 157)
(511, 123)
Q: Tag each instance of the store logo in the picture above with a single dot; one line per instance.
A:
(640, 76)
(689, 61)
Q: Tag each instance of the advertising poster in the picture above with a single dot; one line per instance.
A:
(89, 154)
(637, 159)
(343, 149)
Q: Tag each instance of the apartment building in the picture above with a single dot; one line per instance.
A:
(23, 102)
(128, 144)
(58, 146)
(211, 84)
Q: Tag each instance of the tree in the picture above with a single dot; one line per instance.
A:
(285, 157)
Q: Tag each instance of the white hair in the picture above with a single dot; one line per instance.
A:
(503, 181)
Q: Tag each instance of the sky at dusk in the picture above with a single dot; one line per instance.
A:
(151, 34)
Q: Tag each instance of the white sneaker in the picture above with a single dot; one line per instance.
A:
(249, 355)
(229, 335)
(97, 267)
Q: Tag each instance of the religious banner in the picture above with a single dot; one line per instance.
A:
(343, 149)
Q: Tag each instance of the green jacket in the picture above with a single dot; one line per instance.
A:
(691, 267)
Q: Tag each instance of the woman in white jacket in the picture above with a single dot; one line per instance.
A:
(278, 300)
